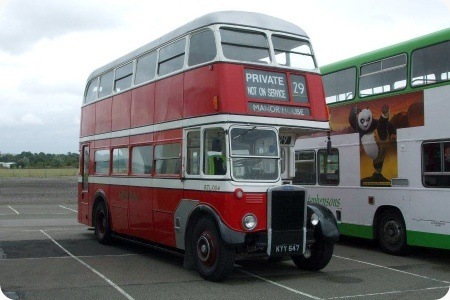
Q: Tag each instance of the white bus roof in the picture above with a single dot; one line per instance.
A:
(240, 18)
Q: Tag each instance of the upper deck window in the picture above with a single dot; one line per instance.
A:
(293, 53)
(250, 46)
(106, 84)
(383, 76)
(123, 77)
(340, 85)
(171, 57)
(146, 68)
(202, 48)
(91, 91)
(431, 64)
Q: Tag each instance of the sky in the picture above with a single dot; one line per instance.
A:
(48, 48)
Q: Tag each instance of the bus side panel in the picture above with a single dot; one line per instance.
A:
(232, 99)
(169, 99)
(143, 105)
(118, 199)
(141, 211)
(198, 98)
(121, 111)
(142, 138)
(168, 135)
(230, 209)
(103, 116)
(316, 94)
(87, 120)
(165, 202)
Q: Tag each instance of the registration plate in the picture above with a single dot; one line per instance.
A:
(282, 249)
(286, 243)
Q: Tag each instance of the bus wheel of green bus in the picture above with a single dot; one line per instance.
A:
(101, 224)
(392, 233)
(321, 253)
(213, 259)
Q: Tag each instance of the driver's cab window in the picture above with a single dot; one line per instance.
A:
(214, 145)
(193, 153)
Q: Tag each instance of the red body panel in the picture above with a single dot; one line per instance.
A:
(143, 105)
(319, 108)
(200, 87)
(141, 212)
(87, 120)
(103, 116)
(190, 94)
(169, 99)
(121, 111)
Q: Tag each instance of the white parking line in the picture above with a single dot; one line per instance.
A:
(14, 210)
(389, 293)
(69, 208)
(392, 269)
(67, 257)
(279, 285)
(90, 268)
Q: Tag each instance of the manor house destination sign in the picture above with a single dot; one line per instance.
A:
(274, 86)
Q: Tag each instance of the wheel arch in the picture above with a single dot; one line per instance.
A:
(327, 227)
(228, 235)
(99, 197)
(379, 212)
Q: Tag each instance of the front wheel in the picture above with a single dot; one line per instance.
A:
(321, 253)
(213, 259)
(392, 233)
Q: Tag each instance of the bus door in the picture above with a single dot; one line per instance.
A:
(83, 200)
(287, 158)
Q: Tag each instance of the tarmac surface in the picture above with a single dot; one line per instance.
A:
(46, 254)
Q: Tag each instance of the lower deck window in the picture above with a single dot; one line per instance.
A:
(101, 161)
(328, 165)
(141, 160)
(305, 167)
(167, 159)
(120, 161)
(436, 164)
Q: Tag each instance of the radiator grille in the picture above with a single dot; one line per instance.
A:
(288, 210)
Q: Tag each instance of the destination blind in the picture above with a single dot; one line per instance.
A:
(274, 86)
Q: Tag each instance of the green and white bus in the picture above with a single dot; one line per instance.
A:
(387, 174)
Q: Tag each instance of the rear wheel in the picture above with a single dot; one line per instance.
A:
(101, 224)
(213, 259)
(321, 253)
(392, 232)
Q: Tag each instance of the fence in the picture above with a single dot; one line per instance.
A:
(37, 172)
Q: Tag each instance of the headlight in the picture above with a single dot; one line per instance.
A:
(314, 220)
(249, 221)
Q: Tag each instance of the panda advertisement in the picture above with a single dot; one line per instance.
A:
(377, 122)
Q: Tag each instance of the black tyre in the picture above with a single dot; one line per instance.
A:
(321, 253)
(391, 233)
(213, 259)
(101, 224)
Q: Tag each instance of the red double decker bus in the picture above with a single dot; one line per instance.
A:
(187, 145)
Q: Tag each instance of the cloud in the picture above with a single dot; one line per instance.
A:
(30, 119)
(23, 23)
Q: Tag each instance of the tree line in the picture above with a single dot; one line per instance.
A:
(41, 160)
